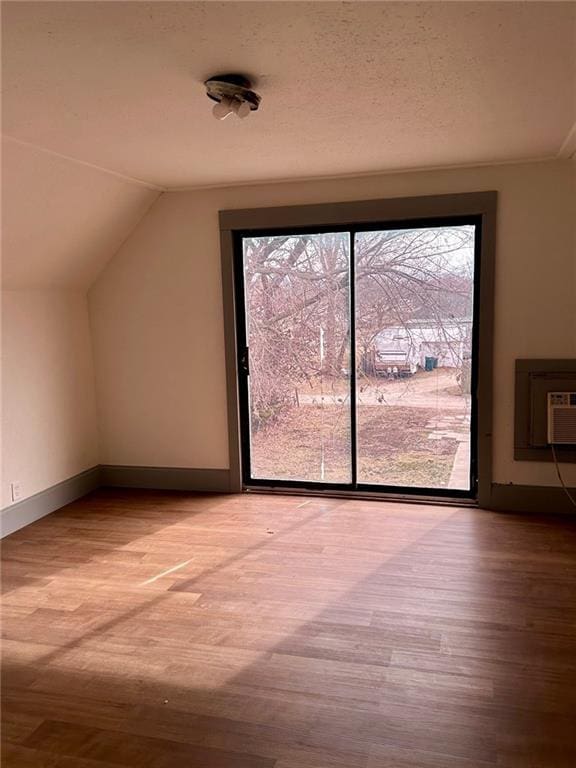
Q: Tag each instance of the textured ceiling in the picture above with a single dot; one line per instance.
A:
(347, 87)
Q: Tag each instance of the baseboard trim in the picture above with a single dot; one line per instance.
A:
(29, 510)
(166, 478)
(504, 498)
(531, 498)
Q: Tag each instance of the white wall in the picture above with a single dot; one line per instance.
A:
(62, 220)
(157, 321)
(48, 398)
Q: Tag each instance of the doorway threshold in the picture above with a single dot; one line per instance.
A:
(442, 501)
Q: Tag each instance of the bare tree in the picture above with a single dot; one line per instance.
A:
(298, 299)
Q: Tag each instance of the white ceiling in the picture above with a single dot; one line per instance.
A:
(347, 87)
(62, 221)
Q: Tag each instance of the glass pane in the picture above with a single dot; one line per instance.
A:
(298, 333)
(414, 309)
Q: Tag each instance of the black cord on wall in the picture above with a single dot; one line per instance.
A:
(563, 484)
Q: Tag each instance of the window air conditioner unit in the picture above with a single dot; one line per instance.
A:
(562, 418)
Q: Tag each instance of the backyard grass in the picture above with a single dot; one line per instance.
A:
(393, 447)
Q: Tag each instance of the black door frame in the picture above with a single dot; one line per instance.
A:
(478, 209)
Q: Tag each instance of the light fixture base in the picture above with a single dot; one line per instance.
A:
(237, 88)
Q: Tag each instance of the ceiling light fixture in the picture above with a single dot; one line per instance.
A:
(233, 94)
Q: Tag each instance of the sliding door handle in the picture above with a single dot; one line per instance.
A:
(245, 361)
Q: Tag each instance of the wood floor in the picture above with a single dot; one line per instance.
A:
(164, 630)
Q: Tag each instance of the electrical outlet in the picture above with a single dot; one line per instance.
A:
(16, 490)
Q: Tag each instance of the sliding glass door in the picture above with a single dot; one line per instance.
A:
(414, 333)
(356, 357)
(297, 355)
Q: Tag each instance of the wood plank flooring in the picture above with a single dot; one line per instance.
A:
(158, 630)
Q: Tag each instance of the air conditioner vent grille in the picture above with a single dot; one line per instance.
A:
(562, 418)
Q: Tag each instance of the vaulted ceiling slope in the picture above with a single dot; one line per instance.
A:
(62, 220)
(347, 87)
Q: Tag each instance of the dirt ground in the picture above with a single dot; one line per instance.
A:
(435, 389)
(393, 447)
(408, 433)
